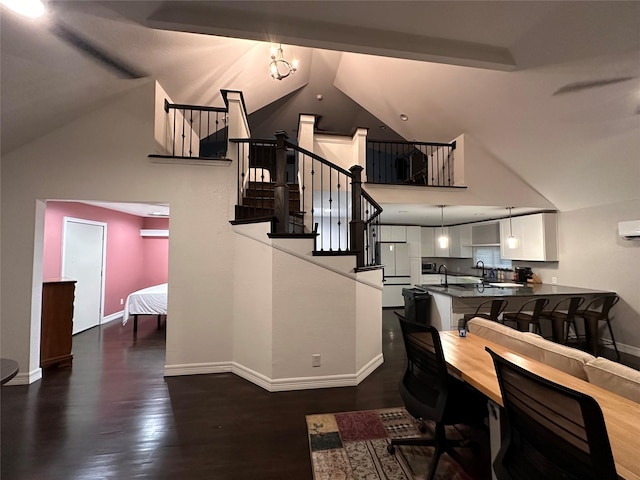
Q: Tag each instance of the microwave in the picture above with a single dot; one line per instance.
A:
(429, 267)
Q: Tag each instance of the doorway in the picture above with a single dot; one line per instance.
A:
(83, 260)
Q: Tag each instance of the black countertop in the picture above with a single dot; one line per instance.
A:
(529, 290)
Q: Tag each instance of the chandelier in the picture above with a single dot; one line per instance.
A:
(279, 67)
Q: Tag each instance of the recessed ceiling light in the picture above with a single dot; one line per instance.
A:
(382, 127)
(404, 117)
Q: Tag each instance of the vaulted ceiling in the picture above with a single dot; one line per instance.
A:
(551, 89)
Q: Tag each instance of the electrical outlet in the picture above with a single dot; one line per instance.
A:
(554, 280)
(122, 301)
(315, 360)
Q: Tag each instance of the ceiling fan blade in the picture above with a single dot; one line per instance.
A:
(88, 48)
(578, 86)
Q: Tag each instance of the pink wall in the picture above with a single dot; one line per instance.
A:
(133, 262)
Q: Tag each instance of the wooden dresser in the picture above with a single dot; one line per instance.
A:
(57, 322)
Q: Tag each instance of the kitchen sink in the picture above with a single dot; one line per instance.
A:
(506, 284)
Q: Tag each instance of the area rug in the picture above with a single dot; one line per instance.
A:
(353, 446)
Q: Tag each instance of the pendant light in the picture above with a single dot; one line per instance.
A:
(443, 241)
(512, 242)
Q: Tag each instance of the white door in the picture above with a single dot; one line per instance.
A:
(83, 258)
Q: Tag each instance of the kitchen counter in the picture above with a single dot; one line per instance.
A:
(475, 290)
(449, 304)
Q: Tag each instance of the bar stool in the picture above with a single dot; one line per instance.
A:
(561, 318)
(523, 320)
(497, 307)
(592, 317)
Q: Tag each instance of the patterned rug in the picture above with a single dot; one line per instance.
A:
(353, 446)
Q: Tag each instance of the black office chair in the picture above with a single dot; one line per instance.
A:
(551, 431)
(562, 317)
(498, 306)
(592, 317)
(522, 319)
(430, 393)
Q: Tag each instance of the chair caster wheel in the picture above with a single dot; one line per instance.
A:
(391, 449)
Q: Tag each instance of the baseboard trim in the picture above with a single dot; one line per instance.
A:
(25, 378)
(630, 349)
(197, 368)
(281, 384)
(112, 317)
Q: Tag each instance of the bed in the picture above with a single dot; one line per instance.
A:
(148, 301)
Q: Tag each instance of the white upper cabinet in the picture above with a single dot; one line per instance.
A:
(460, 241)
(393, 233)
(414, 240)
(537, 237)
(427, 237)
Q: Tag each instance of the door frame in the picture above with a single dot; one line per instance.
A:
(66, 220)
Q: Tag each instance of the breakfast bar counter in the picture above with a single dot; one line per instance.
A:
(451, 302)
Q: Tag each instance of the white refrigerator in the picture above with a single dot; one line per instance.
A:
(397, 272)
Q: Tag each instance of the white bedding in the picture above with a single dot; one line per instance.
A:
(148, 301)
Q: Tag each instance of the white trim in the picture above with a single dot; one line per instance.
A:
(196, 368)
(65, 222)
(112, 317)
(277, 385)
(630, 349)
(25, 378)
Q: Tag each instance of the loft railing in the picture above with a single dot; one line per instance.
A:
(196, 132)
(280, 179)
(410, 163)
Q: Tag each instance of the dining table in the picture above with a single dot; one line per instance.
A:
(468, 360)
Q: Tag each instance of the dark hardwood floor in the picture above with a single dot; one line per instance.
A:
(114, 416)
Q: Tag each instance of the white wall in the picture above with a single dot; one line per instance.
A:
(103, 156)
(488, 182)
(592, 255)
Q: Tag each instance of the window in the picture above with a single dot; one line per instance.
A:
(491, 257)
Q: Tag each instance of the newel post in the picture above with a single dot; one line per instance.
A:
(281, 189)
(357, 223)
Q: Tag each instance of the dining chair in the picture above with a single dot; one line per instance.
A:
(592, 316)
(429, 393)
(550, 431)
(522, 320)
(498, 305)
(562, 318)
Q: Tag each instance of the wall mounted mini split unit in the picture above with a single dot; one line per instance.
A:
(629, 230)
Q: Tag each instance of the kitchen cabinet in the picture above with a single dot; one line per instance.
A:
(537, 238)
(460, 241)
(427, 238)
(57, 322)
(413, 240)
(395, 259)
(393, 233)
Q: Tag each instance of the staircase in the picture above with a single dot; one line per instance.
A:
(258, 204)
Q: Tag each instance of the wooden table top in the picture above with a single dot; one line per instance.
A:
(466, 357)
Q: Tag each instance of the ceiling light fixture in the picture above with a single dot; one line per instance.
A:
(443, 241)
(279, 67)
(512, 242)
(28, 8)
(404, 117)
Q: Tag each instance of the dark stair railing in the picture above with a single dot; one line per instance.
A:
(305, 193)
(197, 132)
(410, 163)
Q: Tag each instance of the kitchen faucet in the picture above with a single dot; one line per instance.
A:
(481, 262)
(446, 284)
